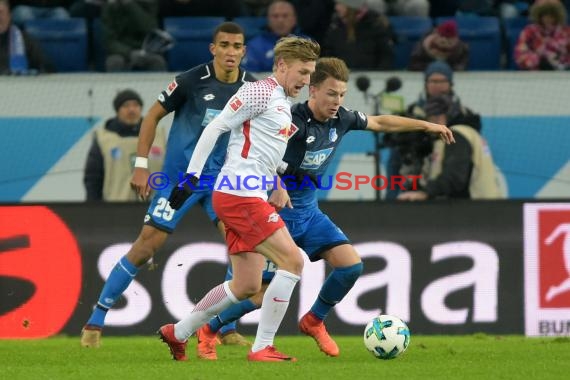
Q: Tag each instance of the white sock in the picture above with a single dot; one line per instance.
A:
(273, 308)
(214, 302)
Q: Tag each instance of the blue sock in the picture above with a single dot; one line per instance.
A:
(337, 285)
(228, 317)
(119, 280)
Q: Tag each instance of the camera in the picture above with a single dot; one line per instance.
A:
(409, 151)
(412, 146)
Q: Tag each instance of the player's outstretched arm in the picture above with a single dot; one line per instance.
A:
(393, 123)
(139, 180)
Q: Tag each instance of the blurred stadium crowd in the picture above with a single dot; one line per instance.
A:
(149, 35)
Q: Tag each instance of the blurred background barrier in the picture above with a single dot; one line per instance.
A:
(444, 267)
(46, 125)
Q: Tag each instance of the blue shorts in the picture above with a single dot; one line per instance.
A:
(161, 216)
(268, 272)
(313, 231)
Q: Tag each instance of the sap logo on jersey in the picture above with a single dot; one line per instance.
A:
(209, 115)
(314, 160)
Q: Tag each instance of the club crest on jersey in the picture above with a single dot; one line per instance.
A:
(332, 135)
(171, 87)
(287, 131)
(235, 104)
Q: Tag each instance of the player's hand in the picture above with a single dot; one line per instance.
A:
(182, 191)
(413, 196)
(139, 182)
(279, 199)
(444, 133)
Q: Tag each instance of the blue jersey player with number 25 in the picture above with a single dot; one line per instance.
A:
(321, 124)
(196, 97)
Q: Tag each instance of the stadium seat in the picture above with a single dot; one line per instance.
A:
(513, 28)
(408, 30)
(64, 42)
(252, 26)
(192, 39)
(483, 34)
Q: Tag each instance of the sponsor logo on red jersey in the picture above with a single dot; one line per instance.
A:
(287, 131)
(235, 104)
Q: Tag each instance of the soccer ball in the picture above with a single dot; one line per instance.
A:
(386, 337)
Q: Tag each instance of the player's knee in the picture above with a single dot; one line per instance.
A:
(146, 246)
(350, 274)
(140, 254)
(246, 289)
(294, 262)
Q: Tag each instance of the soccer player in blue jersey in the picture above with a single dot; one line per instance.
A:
(196, 97)
(322, 123)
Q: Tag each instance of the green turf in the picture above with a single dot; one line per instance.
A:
(477, 356)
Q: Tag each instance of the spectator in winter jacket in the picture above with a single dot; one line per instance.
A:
(544, 44)
(125, 24)
(442, 44)
(19, 53)
(281, 21)
(359, 36)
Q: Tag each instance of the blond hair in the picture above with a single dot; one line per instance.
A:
(329, 67)
(292, 47)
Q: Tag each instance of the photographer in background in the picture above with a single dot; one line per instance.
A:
(461, 170)
(408, 152)
(439, 81)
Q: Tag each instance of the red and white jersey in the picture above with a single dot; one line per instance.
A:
(259, 116)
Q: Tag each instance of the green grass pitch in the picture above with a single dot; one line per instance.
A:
(476, 356)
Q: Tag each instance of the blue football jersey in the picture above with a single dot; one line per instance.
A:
(313, 146)
(196, 97)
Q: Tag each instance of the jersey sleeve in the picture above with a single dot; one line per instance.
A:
(249, 101)
(175, 94)
(358, 120)
(298, 121)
